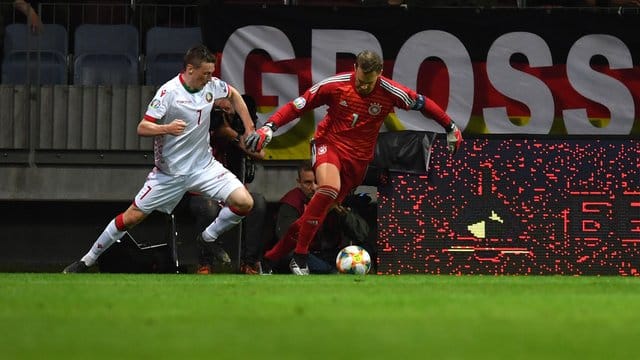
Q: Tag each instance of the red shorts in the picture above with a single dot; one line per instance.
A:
(352, 171)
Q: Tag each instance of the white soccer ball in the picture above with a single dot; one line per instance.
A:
(353, 259)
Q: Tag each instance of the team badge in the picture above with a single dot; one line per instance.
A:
(208, 96)
(299, 102)
(322, 150)
(374, 109)
(155, 104)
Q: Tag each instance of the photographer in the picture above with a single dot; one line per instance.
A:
(224, 133)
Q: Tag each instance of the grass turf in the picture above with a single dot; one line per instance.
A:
(49, 316)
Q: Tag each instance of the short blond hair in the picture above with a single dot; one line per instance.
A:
(369, 61)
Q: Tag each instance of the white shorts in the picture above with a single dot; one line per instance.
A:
(162, 192)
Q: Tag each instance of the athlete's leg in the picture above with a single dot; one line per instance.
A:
(220, 184)
(114, 231)
(237, 206)
(328, 179)
(159, 192)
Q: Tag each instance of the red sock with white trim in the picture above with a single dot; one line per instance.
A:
(314, 215)
(114, 231)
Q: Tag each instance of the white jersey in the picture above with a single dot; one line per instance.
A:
(190, 151)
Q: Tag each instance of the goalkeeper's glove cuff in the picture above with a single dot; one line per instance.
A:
(271, 125)
(450, 128)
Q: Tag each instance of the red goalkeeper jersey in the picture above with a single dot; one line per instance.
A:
(353, 120)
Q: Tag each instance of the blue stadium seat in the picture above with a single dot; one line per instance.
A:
(165, 49)
(35, 59)
(106, 55)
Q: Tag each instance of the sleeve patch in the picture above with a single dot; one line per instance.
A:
(155, 104)
(419, 103)
(299, 102)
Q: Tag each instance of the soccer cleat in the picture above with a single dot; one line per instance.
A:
(210, 249)
(297, 269)
(204, 269)
(76, 268)
(251, 269)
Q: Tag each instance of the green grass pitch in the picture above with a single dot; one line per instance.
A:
(113, 316)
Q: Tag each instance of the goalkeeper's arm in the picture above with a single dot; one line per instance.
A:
(431, 110)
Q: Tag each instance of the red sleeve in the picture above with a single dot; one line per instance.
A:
(435, 112)
(312, 98)
(285, 114)
(406, 98)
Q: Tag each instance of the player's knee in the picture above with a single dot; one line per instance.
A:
(241, 200)
(130, 218)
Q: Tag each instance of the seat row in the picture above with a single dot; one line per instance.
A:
(102, 55)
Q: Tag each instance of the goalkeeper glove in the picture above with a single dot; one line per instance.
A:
(454, 138)
(260, 138)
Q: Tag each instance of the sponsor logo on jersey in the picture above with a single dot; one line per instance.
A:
(164, 91)
(208, 96)
(299, 102)
(322, 150)
(343, 103)
(374, 109)
(155, 104)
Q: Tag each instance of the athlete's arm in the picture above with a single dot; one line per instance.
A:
(147, 127)
(241, 109)
(433, 111)
(311, 99)
(226, 132)
(256, 141)
(305, 102)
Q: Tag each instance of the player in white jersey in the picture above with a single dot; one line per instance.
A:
(178, 118)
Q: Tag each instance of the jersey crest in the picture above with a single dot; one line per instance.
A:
(322, 149)
(374, 109)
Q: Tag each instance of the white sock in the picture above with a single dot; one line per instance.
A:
(226, 220)
(110, 235)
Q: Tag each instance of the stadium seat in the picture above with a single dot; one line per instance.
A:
(165, 49)
(106, 55)
(35, 59)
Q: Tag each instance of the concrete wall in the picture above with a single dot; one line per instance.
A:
(80, 143)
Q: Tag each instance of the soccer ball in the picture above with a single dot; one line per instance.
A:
(353, 259)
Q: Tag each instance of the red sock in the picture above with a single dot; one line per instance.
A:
(314, 215)
(120, 222)
(284, 245)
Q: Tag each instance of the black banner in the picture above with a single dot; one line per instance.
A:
(499, 71)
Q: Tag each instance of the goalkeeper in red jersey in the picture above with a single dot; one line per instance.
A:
(344, 141)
